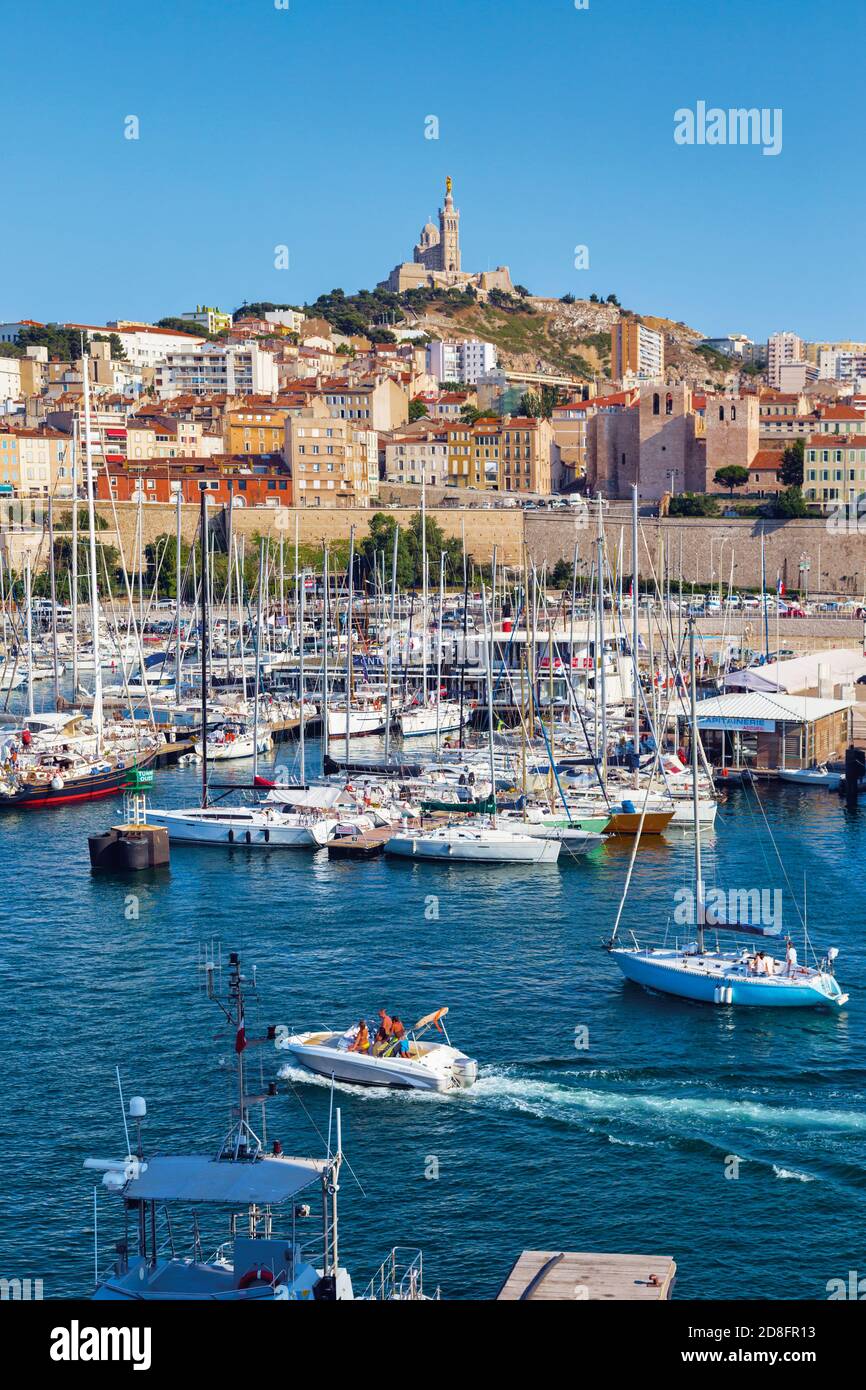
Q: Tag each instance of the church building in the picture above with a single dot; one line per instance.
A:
(436, 259)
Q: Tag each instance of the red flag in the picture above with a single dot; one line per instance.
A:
(240, 1037)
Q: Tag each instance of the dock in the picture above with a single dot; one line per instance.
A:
(368, 844)
(551, 1276)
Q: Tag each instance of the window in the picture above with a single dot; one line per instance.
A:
(656, 404)
(669, 404)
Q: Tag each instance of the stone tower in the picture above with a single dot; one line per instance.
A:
(449, 233)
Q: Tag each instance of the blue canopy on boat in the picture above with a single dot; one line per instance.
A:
(199, 1179)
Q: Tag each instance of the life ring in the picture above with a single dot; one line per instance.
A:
(257, 1275)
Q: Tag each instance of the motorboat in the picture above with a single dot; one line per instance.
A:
(436, 717)
(427, 1065)
(256, 827)
(820, 777)
(474, 844)
(233, 742)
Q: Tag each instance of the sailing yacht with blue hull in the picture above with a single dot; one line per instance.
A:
(717, 977)
(735, 977)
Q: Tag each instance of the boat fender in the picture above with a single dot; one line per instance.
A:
(267, 835)
(57, 784)
(249, 837)
(257, 1275)
(231, 836)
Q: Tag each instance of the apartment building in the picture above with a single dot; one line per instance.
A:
(35, 463)
(783, 349)
(834, 469)
(417, 454)
(333, 462)
(527, 455)
(238, 369)
(227, 481)
(379, 405)
(256, 428)
(460, 359)
(162, 437)
(210, 319)
(637, 352)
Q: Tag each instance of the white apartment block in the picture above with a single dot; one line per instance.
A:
(10, 381)
(460, 359)
(783, 349)
(417, 459)
(796, 376)
(841, 364)
(285, 318)
(213, 369)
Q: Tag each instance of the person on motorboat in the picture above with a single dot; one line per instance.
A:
(383, 1034)
(362, 1038)
(399, 1040)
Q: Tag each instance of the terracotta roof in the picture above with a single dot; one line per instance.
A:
(767, 461)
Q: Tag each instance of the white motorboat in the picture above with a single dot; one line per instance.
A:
(246, 826)
(362, 719)
(812, 777)
(474, 844)
(426, 1065)
(232, 743)
(441, 717)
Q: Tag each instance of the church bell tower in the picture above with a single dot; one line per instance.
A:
(449, 232)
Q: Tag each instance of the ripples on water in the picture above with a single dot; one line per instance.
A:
(624, 1146)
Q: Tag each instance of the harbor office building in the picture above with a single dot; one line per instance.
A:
(769, 732)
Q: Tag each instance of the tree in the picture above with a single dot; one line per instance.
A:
(790, 503)
(409, 549)
(731, 476)
(173, 324)
(551, 396)
(417, 410)
(469, 415)
(562, 575)
(522, 291)
(566, 299)
(791, 470)
(530, 405)
(612, 299)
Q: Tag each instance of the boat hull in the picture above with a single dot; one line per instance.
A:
(458, 849)
(392, 1073)
(241, 832)
(93, 788)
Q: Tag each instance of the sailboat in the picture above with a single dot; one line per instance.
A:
(735, 977)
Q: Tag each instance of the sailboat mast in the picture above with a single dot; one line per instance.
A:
(424, 585)
(178, 581)
(634, 625)
(53, 581)
(301, 681)
(91, 524)
(205, 580)
(258, 659)
(325, 640)
(349, 653)
(73, 583)
(699, 887)
(488, 653)
(28, 604)
(389, 654)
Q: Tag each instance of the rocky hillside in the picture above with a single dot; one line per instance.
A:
(570, 339)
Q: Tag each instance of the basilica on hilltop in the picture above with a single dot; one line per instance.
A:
(435, 261)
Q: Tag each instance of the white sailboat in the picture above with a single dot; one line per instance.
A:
(711, 975)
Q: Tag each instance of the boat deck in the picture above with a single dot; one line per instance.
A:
(545, 1276)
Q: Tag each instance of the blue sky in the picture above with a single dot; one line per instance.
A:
(305, 127)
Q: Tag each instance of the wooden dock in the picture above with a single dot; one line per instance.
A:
(550, 1276)
(365, 845)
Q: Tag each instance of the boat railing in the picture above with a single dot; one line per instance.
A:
(399, 1278)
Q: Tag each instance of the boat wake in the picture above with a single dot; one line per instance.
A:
(553, 1100)
(300, 1075)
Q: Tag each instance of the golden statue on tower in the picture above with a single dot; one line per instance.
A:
(448, 186)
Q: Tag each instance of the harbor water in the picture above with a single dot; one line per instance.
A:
(604, 1118)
